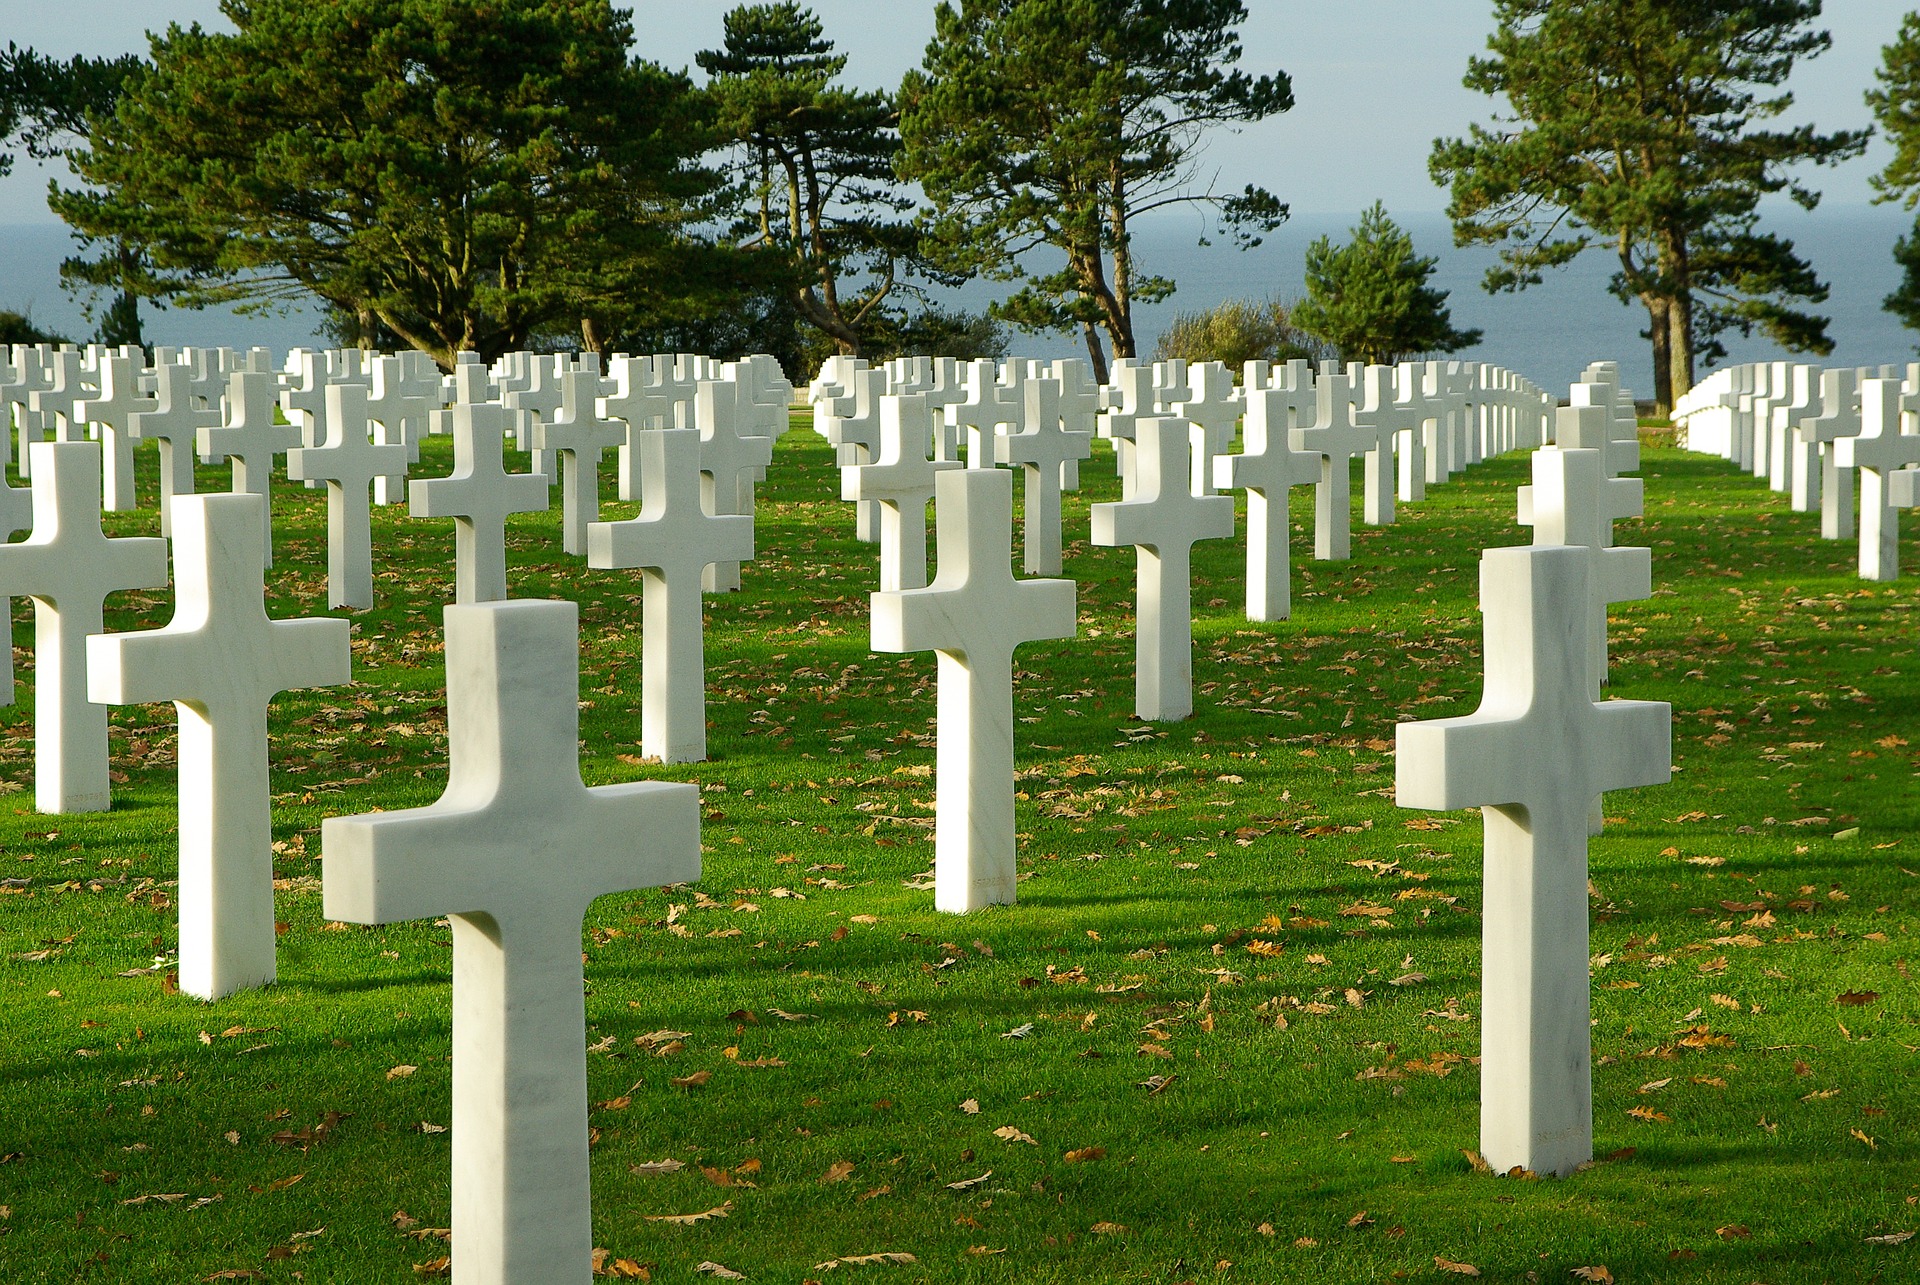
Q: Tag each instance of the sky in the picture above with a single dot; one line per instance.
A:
(1375, 81)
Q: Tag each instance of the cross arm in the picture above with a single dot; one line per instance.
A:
(462, 857)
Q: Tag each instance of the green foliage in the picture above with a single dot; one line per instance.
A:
(1056, 123)
(18, 328)
(1152, 861)
(1635, 127)
(465, 174)
(49, 103)
(1896, 108)
(1903, 301)
(1239, 331)
(1370, 299)
(815, 162)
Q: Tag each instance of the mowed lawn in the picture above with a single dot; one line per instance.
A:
(1228, 1033)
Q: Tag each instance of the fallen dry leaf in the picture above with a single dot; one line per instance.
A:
(1458, 1269)
(852, 1260)
(1108, 1229)
(838, 1171)
(1871, 1145)
(681, 1220)
(1600, 1274)
(968, 1184)
(971, 1106)
(1853, 999)
(1891, 1238)
(1085, 1154)
(401, 1072)
(1011, 1134)
(693, 1081)
(719, 1271)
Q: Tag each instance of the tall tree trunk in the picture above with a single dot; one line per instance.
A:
(1680, 356)
(1660, 329)
(1096, 352)
(592, 339)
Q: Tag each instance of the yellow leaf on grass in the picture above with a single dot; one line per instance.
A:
(1458, 1269)
(401, 1072)
(1600, 1274)
(1108, 1229)
(1085, 1154)
(1011, 1134)
(1871, 1145)
(852, 1260)
(682, 1220)
(838, 1171)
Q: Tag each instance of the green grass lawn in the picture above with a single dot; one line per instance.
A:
(1248, 983)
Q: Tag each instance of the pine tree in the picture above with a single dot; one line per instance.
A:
(1370, 298)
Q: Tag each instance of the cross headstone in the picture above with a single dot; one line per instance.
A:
(175, 423)
(399, 416)
(1162, 518)
(304, 397)
(120, 398)
(250, 439)
(1881, 449)
(901, 480)
(671, 542)
(1838, 418)
(513, 853)
(51, 407)
(220, 661)
(851, 424)
(1132, 396)
(990, 402)
(538, 400)
(1798, 397)
(1533, 758)
(1266, 469)
(646, 394)
(1079, 411)
(1573, 502)
(573, 439)
(1207, 401)
(68, 567)
(972, 616)
(347, 462)
(732, 456)
(479, 495)
(1391, 421)
(1336, 438)
(1041, 449)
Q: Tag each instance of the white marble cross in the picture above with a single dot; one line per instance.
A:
(120, 397)
(1267, 468)
(1395, 425)
(479, 495)
(1079, 411)
(347, 462)
(1336, 439)
(972, 616)
(250, 440)
(901, 481)
(1207, 401)
(1816, 434)
(1533, 758)
(1162, 519)
(1042, 449)
(68, 567)
(732, 456)
(50, 407)
(1132, 395)
(220, 661)
(1882, 448)
(1572, 501)
(851, 424)
(537, 401)
(642, 398)
(513, 853)
(573, 440)
(175, 423)
(671, 542)
(304, 396)
(399, 414)
(990, 402)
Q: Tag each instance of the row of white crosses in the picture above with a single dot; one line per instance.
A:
(1809, 432)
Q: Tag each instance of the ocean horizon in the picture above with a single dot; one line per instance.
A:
(1548, 333)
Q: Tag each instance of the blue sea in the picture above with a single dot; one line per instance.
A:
(1549, 332)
